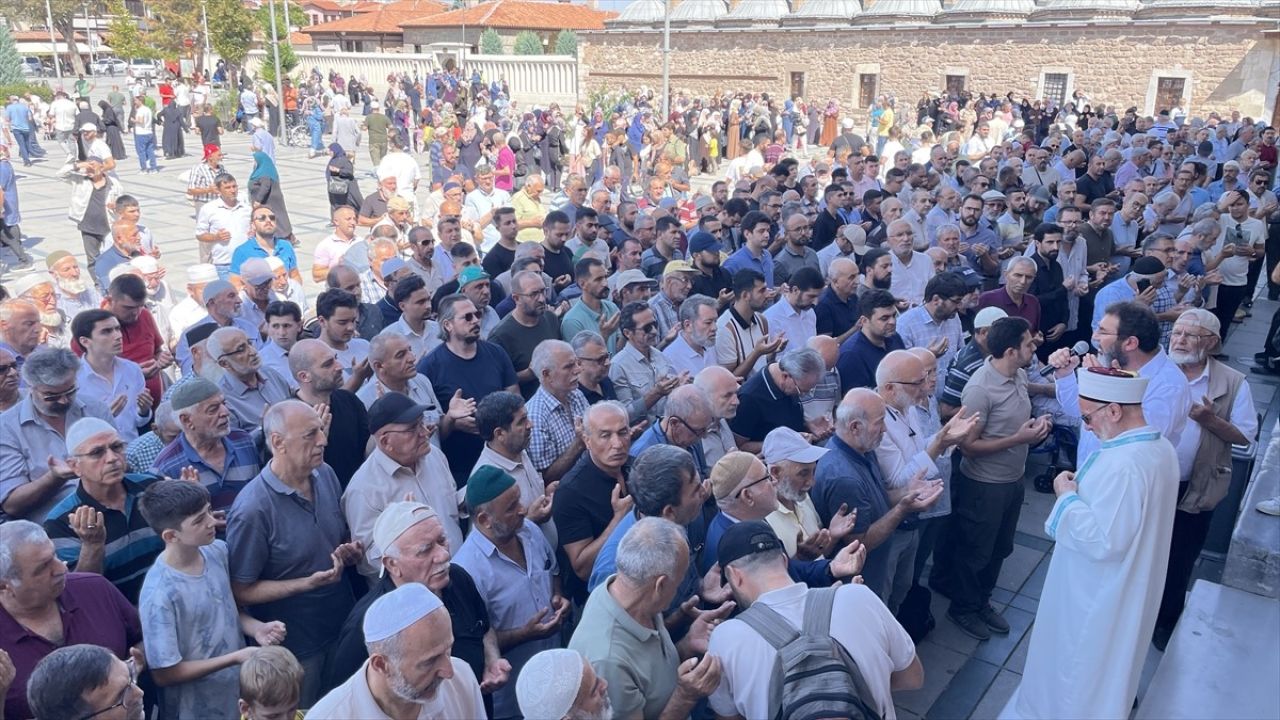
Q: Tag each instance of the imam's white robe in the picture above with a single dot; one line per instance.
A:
(1098, 607)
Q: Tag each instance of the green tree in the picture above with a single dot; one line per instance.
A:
(62, 11)
(123, 36)
(490, 42)
(288, 60)
(10, 73)
(527, 43)
(230, 30)
(174, 27)
(566, 43)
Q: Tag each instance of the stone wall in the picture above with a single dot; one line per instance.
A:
(1227, 66)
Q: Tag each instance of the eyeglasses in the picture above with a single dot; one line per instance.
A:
(648, 328)
(600, 360)
(696, 432)
(419, 427)
(7, 367)
(265, 217)
(124, 694)
(921, 381)
(1183, 334)
(240, 350)
(98, 453)
(64, 395)
(1087, 418)
(753, 483)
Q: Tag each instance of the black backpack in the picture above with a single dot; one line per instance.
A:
(814, 677)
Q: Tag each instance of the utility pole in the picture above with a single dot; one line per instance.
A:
(88, 33)
(666, 62)
(53, 39)
(204, 21)
(275, 50)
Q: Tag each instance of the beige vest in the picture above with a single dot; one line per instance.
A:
(1211, 476)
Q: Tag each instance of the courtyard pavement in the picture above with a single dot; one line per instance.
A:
(964, 678)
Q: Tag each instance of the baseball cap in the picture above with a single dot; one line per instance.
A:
(987, 316)
(677, 266)
(744, 539)
(704, 242)
(394, 408)
(631, 277)
(783, 443)
(392, 265)
(255, 271)
(471, 274)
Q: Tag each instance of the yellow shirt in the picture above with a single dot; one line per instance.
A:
(886, 122)
(527, 208)
(787, 523)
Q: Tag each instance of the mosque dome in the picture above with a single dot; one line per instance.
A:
(766, 12)
(826, 11)
(904, 10)
(699, 12)
(1076, 9)
(1170, 8)
(641, 12)
(988, 9)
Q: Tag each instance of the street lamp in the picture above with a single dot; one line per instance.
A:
(53, 39)
(275, 51)
(666, 60)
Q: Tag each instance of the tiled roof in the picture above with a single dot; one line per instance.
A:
(297, 38)
(386, 20)
(42, 36)
(323, 5)
(520, 15)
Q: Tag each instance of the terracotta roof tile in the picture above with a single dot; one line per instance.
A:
(386, 20)
(42, 36)
(297, 38)
(519, 14)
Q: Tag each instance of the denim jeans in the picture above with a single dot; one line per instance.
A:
(145, 145)
(23, 137)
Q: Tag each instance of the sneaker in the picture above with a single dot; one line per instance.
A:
(995, 623)
(1270, 506)
(970, 624)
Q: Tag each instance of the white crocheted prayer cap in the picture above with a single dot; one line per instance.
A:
(397, 610)
(548, 684)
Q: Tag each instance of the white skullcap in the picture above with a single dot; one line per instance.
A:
(29, 282)
(548, 684)
(384, 173)
(1111, 386)
(145, 263)
(987, 316)
(397, 610)
(201, 273)
(274, 263)
(85, 428)
(121, 269)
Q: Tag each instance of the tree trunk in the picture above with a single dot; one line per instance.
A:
(73, 60)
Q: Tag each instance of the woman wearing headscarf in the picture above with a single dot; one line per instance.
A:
(340, 180)
(264, 190)
(171, 140)
(111, 125)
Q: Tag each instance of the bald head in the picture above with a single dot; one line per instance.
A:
(898, 378)
(721, 387)
(826, 346)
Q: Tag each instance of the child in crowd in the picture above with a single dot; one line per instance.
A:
(195, 634)
(270, 685)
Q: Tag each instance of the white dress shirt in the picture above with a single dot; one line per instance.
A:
(797, 325)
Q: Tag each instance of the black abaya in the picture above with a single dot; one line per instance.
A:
(171, 141)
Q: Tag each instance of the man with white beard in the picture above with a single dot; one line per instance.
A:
(1112, 524)
(560, 684)
(38, 288)
(160, 300)
(73, 291)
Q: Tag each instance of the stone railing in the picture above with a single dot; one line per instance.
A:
(533, 80)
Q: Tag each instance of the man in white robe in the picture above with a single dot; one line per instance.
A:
(1112, 523)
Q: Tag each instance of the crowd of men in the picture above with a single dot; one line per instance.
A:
(594, 446)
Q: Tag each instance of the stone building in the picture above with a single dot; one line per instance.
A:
(506, 17)
(1201, 55)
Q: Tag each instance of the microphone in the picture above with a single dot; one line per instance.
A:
(1078, 350)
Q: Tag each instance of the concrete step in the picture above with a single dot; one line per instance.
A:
(1222, 662)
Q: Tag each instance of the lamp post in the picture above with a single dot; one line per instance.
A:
(53, 39)
(275, 51)
(666, 61)
(204, 21)
(88, 33)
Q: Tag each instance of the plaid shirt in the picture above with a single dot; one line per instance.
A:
(918, 329)
(664, 313)
(553, 430)
(202, 176)
(142, 452)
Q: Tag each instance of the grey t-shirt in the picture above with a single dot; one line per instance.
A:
(193, 617)
(1004, 404)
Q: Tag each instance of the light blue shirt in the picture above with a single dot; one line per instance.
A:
(742, 259)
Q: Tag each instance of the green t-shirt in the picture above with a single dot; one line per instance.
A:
(377, 123)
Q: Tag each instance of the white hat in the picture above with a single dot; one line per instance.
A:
(88, 127)
(122, 269)
(145, 263)
(257, 122)
(26, 283)
(85, 428)
(397, 610)
(274, 263)
(256, 271)
(395, 519)
(783, 443)
(201, 273)
(1111, 386)
(987, 316)
(847, 123)
(549, 683)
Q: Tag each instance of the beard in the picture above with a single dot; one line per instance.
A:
(51, 319)
(1188, 358)
(882, 284)
(790, 494)
(72, 286)
(605, 713)
(408, 693)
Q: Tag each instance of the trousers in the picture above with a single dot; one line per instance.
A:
(984, 518)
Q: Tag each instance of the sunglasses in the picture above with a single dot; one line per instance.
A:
(265, 217)
(98, 453)
(7, 367)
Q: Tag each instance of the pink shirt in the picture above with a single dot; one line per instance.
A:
(506, 161)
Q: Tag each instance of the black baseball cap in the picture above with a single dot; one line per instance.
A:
(746, 538)
(394, 408)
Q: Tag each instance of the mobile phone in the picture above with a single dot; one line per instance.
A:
(1143, 284)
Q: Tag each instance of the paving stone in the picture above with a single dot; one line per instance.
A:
(997, 694)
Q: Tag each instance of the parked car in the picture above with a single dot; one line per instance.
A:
(109, 66)
(143, 69)
(34, 66)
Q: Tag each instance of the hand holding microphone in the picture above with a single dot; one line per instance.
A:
(1064, 360)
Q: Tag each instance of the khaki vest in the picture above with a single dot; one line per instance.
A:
(1211, 476)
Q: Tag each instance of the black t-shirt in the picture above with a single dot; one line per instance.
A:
(711, 285)
(95, 220)
(764, 406)
(519, 341)
(374, 206)
(467, 614)
(348, 435)
(498, 260)
(489, 371)
(582, 509)
(557, 264)
(606, 392)
(208, 126)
